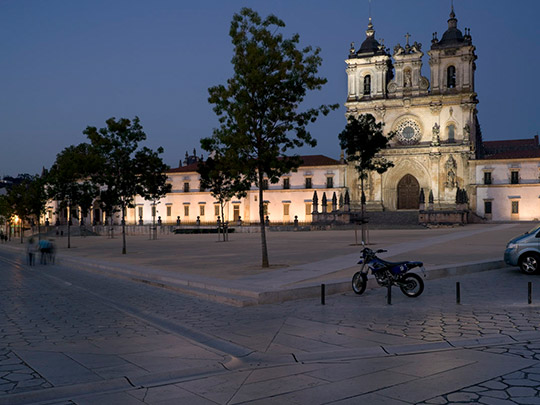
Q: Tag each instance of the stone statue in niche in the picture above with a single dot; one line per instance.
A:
(435, 140)
(466, 133)
(451, 181)
(407, 81)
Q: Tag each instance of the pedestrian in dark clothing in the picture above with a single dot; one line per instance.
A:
(30, 251)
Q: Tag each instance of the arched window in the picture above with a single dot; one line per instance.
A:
(451, 133)
(451, 77)
(367, 85)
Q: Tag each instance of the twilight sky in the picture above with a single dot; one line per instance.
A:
(68, 64)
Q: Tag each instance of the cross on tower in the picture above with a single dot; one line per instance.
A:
(407, 36)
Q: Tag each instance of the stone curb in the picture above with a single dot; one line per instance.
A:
(228, 292)
(239, 293)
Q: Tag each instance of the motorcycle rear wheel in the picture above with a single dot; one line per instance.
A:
(359, 282)
(411, 285)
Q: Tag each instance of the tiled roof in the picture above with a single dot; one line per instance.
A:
(184, 169)
(318, 160)
(309, 160)
(512, 149)
(515, 154)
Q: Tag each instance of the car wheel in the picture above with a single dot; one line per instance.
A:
(529, 263)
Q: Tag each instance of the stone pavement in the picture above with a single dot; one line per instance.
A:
(81, 338)
(77, 337)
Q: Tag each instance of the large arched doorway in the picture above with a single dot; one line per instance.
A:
(408, 193)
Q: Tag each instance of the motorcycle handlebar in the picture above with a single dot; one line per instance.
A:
(369, 251)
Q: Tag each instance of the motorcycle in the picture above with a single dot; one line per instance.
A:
(388, 273)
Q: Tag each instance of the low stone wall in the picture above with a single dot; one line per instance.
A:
(115, 230)
(453, 217)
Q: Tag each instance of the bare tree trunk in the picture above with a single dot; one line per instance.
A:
(153, 231)
(264, 247)
(362, 209)
(123, 229)
(69, 226)
(222, 223)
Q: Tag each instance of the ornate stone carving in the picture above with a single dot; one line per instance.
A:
(398, 50)
(424, 83)
(382, 66)
(392, 87)
(435, 139)
(466, 133)
(450, 166)
(435, 107)
(380, 111)
(407, 103)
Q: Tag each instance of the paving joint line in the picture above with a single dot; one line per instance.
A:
(238, 365)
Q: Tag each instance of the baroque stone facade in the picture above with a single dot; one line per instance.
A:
(435, 124)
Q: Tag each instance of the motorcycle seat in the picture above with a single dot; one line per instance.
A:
(406, 262)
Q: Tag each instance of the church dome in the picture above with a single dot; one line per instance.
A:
(453, 37)
(370, 46)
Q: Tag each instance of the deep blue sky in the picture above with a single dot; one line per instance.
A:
(66, 64)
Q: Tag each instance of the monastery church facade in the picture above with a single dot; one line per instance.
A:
(438, 146)
(437, 149)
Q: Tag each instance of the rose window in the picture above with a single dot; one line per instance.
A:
(408, 132)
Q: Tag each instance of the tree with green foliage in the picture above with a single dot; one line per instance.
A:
(18, 199)
(258, 109)
(153, 178)
(124, 172)
(69, 180)
(223, 180)
(27, 200)
(37, 197)
(362, 140)
(6, 213)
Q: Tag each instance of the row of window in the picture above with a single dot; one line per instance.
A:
(514, 177)
(488, 207)
(236, 210)
(286, 184)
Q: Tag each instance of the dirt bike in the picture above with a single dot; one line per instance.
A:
(388, 273)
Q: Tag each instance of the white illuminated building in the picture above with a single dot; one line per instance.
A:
(284, 201)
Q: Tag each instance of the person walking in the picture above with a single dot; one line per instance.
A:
(30, 250)
(43, 250)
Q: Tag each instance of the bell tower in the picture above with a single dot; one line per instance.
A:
(452, 60)
(368, 69)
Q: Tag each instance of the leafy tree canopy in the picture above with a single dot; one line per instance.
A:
(362, 140)
(258, 109)
(126, 168)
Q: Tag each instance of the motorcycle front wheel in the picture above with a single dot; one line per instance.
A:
(359, 282)
(411, 285)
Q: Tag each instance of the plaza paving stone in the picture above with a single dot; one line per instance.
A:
(355, 349)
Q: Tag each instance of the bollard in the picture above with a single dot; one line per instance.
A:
(530, 292)
(322, 294)
(458, 293)
(389, 294)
